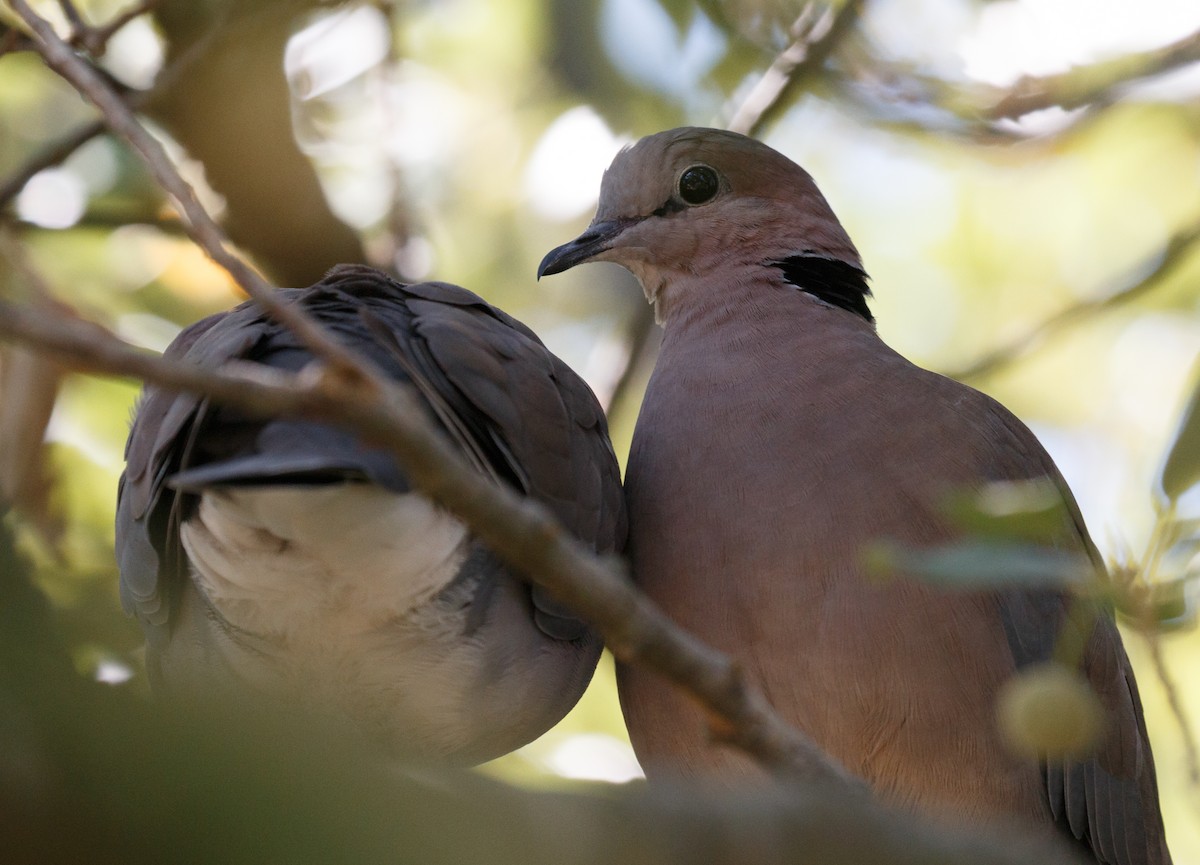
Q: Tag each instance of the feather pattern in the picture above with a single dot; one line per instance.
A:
(288, 557)
(779, 438)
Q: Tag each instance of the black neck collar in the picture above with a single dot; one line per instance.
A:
(836, 282)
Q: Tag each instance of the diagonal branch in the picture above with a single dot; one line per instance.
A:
(812, 44)
(519, 530)
(896, 94)
(354, 393)
(52, 154)
(1156, 272)
(1090, 84)
(59, 56)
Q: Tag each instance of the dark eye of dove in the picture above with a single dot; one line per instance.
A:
(698, 184)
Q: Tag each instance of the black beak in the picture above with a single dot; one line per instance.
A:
(598, 237)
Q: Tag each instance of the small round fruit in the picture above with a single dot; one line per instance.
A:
(1048, 710)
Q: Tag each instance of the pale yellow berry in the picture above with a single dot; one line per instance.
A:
(1048, 710)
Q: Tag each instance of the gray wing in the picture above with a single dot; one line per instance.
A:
(512, 405)
(1108, 802)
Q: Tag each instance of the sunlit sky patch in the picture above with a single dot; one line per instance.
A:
(1043, 37)
(54, 198)
(335, 49)
(594, 757)
(135, 54)
(644, 42)
(563, 173)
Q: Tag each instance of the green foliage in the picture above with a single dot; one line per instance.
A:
(1181, 470)
(974, 233)
(984, 564)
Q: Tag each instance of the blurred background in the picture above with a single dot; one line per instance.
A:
(1022, 178)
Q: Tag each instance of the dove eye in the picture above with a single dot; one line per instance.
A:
(698, 184)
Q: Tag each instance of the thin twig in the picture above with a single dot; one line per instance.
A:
(95, 39)
(71, 13)
(52, 154)
(520, 530)
(812, 44)
(1138, 587)
(1191, 759)
(59, 56)
(898, 95)
(1094, 83)
(643, 337)
(1156, 272)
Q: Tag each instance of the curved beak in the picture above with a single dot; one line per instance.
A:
(598, 237)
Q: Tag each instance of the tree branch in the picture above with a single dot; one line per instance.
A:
(52, 154)
(813, 41)
(59, 56)
(899, 96)
(1156, 271)
(519, 530)
(1091, 84)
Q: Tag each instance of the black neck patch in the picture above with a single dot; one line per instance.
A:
(835, 282)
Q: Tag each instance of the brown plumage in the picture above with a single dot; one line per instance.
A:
(286, 558)
(778, 437)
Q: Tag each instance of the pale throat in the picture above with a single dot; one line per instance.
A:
(725, 290)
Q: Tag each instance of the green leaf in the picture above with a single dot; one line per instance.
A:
(1031, 511)
(1173, 602)
(1181, 469)
(982, 564)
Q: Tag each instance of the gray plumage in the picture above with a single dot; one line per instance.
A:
(778, 438)
(290, 559)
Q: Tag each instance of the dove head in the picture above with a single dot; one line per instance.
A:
(689, 210)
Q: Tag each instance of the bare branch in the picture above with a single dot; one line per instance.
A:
(52, 154)
(898, 95)
(201, 227)
(1091, 84)
(812, 44)
(643, 337)
(1156, 272)
(519, 530)
(353, 393)
(813, 41)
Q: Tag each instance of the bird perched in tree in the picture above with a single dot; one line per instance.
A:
(779, 437)
(291, 559)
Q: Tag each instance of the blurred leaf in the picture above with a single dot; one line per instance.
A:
(1172, 602)
(1033, 511)
(1181, 470)
(93, 773)
(982, 564)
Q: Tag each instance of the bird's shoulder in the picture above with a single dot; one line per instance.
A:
(515, 409)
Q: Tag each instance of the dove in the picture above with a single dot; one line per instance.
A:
(290, 561)
(778, 441)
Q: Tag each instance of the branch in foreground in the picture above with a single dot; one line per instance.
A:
(1155, 272)
(519, 530)
(353, 393)
(220, 762)
(356, 395)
